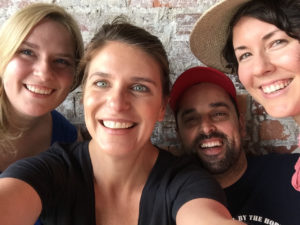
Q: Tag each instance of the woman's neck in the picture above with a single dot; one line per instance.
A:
(20, 121)
(126, 172)
(119, 183)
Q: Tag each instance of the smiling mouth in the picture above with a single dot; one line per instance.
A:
(279, 85)
(38, 90)
(211, 144)
(117, 125)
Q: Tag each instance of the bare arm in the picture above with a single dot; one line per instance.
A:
(19, 202)
(203, 211)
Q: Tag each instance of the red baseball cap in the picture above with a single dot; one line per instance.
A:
(198, 75)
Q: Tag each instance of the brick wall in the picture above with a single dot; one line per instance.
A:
(171, 21)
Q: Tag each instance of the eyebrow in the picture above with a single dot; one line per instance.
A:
(186, 112)
(32, 45)
(269, 35)
(218, 104)
(264, 38)
(144, 79)
(29, 44)
(135, 79)
(99, 74)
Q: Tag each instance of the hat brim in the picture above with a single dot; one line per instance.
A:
(197, 75)
(210, 33)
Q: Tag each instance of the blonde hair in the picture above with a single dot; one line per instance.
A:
(13, 33)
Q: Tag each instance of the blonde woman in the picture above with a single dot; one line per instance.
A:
(40, 48)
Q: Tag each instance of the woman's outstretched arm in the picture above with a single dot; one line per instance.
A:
(19, 202)
(204, 211)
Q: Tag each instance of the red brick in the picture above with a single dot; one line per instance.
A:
(5, 3)
(83, 27)
(259, 109)
(272, 130)
(174, 3)
(243, 101)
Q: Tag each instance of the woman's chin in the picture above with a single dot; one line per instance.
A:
(282, 112)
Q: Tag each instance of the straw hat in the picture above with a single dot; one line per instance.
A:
(210, 33)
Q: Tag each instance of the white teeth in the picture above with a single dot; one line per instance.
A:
(43, 91)
(117, 125)
(275, 87)
(211, 144)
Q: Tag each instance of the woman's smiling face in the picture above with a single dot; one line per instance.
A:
(39, 76)
(122, 98)
(268, 65)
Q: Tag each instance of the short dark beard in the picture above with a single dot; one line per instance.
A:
(232, 154)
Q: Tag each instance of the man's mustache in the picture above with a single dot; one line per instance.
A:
(214, 134)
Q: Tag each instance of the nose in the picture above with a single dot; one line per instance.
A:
(207, 126)
(118, 100)
(262, 65)
(42, 68)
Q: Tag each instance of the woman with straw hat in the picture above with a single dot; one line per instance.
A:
(259, 41)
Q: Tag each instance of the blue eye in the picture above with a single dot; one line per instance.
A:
(244, 56)
(62, 61)
(101, 84)
(140, 88)
(278, 42)
(26, 52)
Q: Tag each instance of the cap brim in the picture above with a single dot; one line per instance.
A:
(198, 75)
(210, 33)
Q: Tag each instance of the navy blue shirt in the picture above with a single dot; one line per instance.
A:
(62, 129)
(264, 194)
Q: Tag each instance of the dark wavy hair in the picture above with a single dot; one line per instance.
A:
(284, 14)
